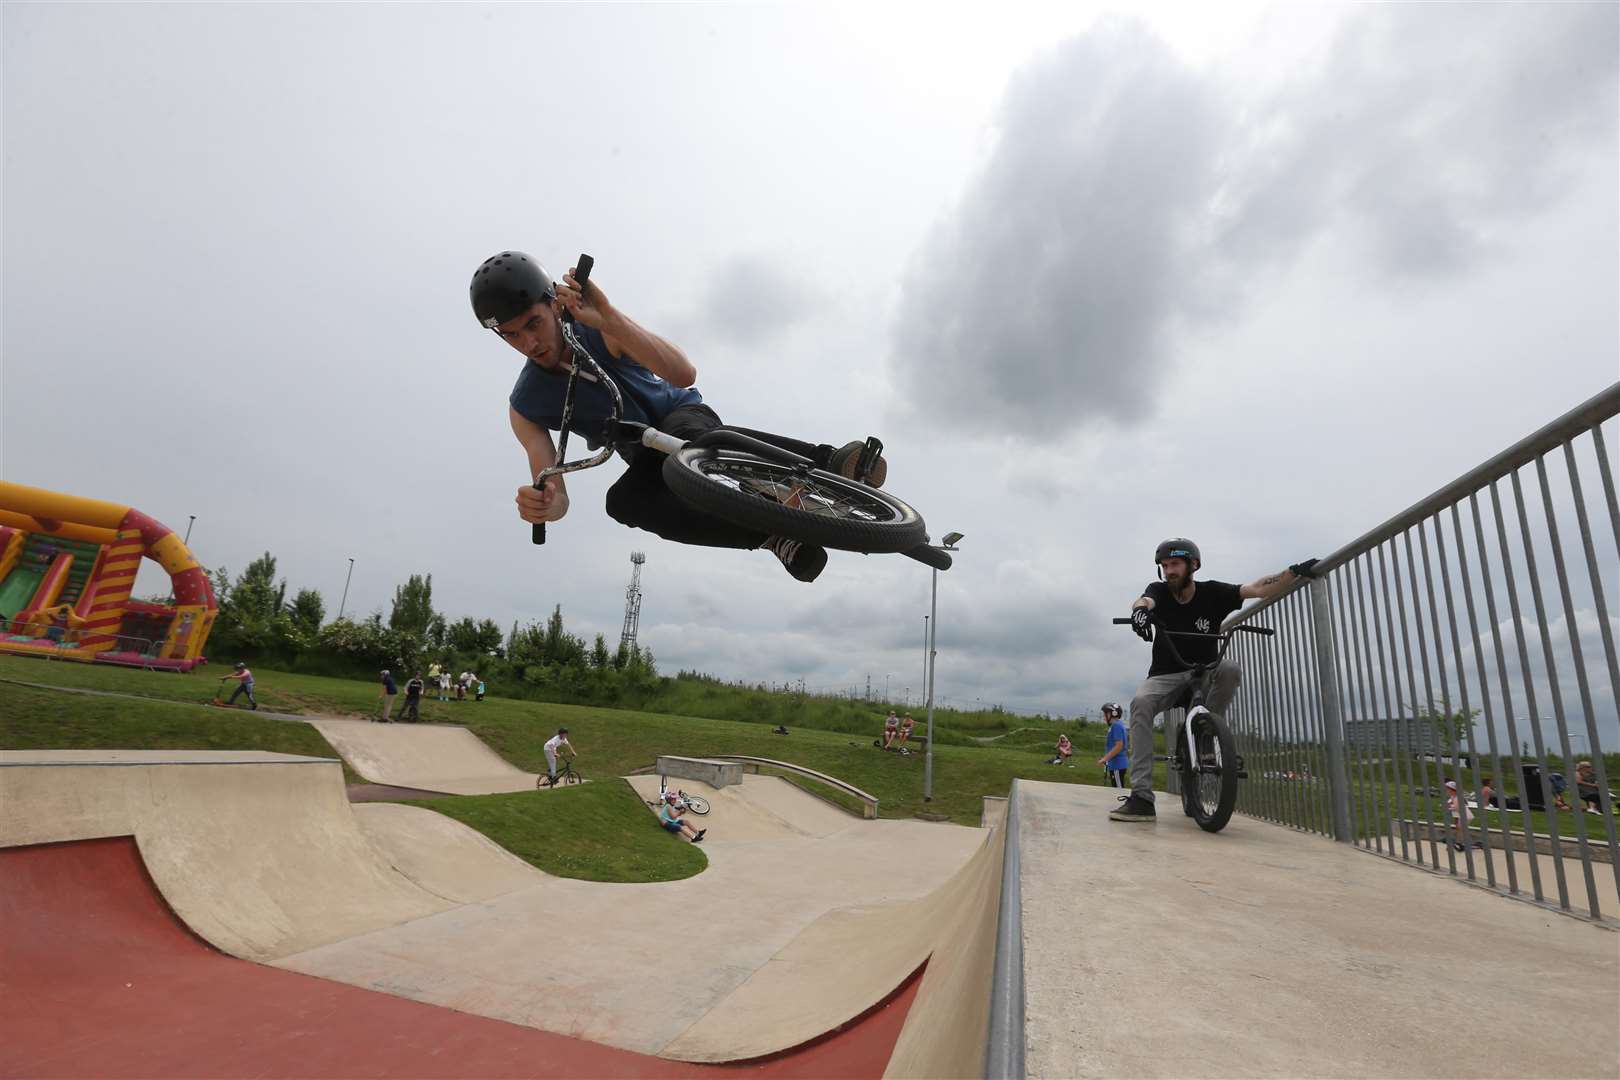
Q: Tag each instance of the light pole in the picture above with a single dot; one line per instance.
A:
(189, 524)
(344, 602)
(925, 652)
(933, 630)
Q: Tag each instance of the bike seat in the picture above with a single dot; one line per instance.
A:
(1183, 700)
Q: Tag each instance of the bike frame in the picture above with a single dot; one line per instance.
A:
(619, 431)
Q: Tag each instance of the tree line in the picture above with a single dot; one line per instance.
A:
(256, 620)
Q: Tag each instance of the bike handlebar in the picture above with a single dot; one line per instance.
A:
(582, 274)
(1223, 636)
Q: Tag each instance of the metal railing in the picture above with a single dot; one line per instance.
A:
(1435, 650)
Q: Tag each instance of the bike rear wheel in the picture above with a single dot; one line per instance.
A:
(826, 509)
(697, 804)
(1209, 781)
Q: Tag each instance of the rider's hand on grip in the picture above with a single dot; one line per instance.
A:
(1306, 569)
(1142, 623)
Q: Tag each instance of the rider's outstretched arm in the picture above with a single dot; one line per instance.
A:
(1276, 584)
(535, 506)
(623, 335)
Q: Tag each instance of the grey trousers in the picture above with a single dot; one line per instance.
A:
(1153, 697)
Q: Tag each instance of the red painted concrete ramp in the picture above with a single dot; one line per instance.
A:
(100, 979)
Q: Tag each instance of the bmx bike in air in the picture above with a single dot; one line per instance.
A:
(1203, 753)
(746, 481)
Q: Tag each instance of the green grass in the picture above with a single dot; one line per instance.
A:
(597, 831)
(51, 720)
(600, 831)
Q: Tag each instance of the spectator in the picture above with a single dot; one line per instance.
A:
(1559, 785)
(670, 812)
(1115, 760)
(1490, 796)
(480, 691)
(386, 698)
(891, 728)
(444, 685)
(906, 724)
(433, 674)
(553, 747)
(1459, 816)
(1064, 749)
(1586, 788)
(244, 685)
(409, 711)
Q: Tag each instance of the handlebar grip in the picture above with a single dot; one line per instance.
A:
(1122, 622)
(539, 533)
(582, 269)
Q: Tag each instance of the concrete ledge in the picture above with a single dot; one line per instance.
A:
(1598, 845)
(715, 773)
(869, 802)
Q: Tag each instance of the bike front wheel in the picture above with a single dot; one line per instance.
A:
(697, 804)
(810, 506)
(1209, 781)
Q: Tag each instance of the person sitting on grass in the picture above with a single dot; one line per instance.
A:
(906, 724)
(891, 728)
(244, 685)
(1586, 788)
(553, 747)
(670, 811)
(1559, 785)
(1064, 749)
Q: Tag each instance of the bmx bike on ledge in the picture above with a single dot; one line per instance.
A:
(1205, 756)
(746, 481)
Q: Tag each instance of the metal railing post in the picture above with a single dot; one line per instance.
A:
(1332, 716)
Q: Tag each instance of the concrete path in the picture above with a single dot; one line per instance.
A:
(1161, 950)
(429, 757)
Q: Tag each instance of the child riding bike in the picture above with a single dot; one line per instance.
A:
(513, 296)
(1180, 605)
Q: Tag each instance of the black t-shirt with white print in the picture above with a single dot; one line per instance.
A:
(1211, 603)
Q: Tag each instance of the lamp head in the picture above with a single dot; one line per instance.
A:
(951, 538)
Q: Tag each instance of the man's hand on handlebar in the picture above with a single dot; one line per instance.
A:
(538, 507)
(589, 306)
(1142, 623)
(1306, 569)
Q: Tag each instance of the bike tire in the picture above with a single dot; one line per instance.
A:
(844, 514)
(697, 804)
(1211, 804)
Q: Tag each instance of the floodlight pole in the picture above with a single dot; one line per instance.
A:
(344, 602)
(933, 638)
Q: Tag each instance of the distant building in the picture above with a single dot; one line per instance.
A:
(1389, 735)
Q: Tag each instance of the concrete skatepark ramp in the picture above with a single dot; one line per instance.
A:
(427, 757)
(1270, 953)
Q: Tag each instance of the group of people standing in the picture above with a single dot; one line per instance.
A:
(438, 678)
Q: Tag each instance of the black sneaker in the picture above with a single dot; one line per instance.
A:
(698, 836)
(846, 462)
(804, 561)
(1133, 807)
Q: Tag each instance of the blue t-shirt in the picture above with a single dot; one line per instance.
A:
(538, 394)
(1116, 735)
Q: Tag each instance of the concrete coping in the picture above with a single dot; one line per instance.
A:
(869, 808)
(711, 771)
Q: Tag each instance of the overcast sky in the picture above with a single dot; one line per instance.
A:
(1097, 276)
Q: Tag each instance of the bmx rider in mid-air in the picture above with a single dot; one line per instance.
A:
(514, 296)
(1181, 605)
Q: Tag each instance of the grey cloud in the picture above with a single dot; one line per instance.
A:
(1423, 131)
(1046, 296)
(1127, 196)
(751, 299)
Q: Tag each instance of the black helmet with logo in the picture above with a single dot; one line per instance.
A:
(1178, 547)
(507, 285)
(1112, 708)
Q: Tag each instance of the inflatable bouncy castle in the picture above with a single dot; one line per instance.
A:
(67, 566)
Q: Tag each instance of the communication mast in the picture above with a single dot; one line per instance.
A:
(632, 605)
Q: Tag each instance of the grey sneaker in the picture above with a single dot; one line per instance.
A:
(1133, 807)
(804, 561)
(846, 462)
